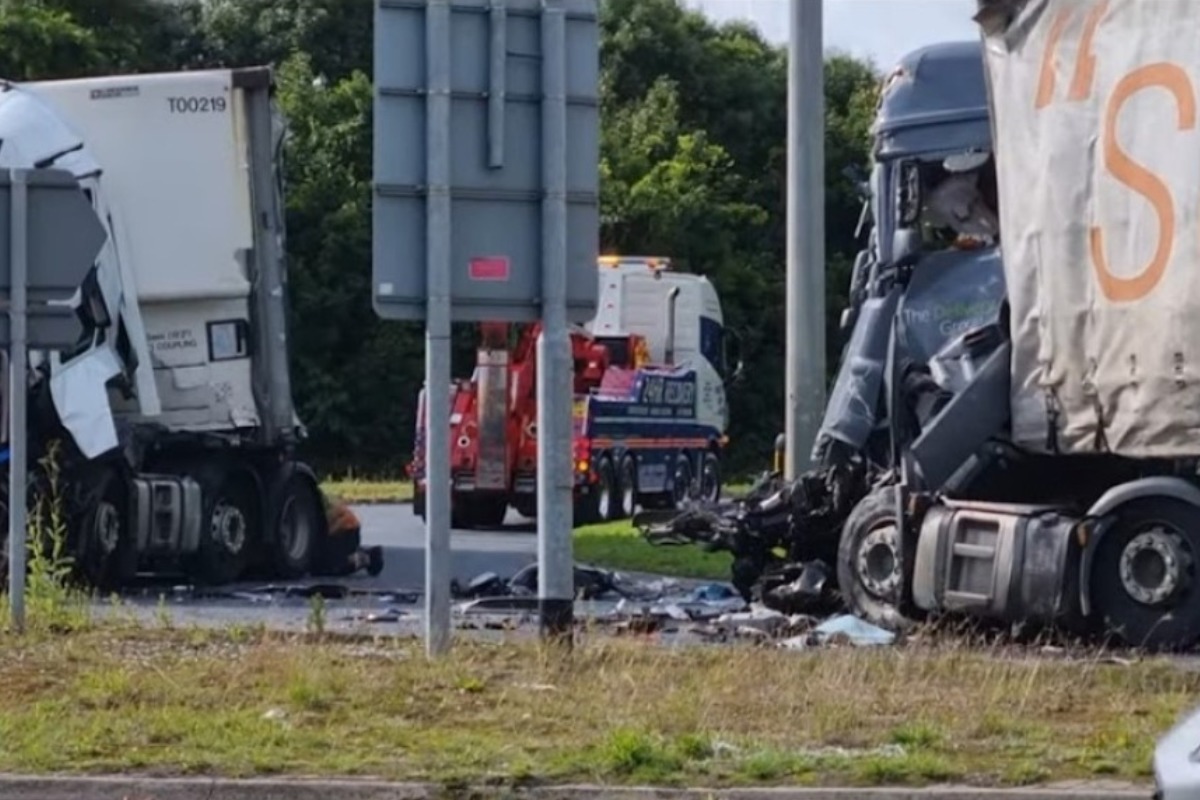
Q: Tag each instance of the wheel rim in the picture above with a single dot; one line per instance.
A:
(107, 527)
(683, 481)
(295, 530)
(1156, 566)
(712, 488)
(229, 527)
(878, 561)
(605, 500)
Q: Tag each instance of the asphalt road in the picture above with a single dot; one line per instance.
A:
(390, 602)
(402, 535)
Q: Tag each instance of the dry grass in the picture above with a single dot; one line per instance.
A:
(622, 711)
(364, 492)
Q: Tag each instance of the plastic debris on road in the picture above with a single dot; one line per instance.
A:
(846, 629)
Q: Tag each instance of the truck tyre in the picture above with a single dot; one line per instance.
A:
(710, 478)
(682, 486)
(489, 512)
(869, 573)
(526, 506)
(297, 524)
(626, 490)
(606, 491)
(1143, 581)
(106, 553)
(228, 528)
(419, 503)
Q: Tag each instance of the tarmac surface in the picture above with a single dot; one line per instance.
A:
(390, 603)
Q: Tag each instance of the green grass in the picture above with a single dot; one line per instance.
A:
(363, 492)
(134, 701)
(369, 492)
(617, 545)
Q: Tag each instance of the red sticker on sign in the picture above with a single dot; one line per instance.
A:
(493, 268)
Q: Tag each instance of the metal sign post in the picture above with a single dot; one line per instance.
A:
(555, 478)
(18, 228)
(438, 48)
(805, 236)
(486, 209)
(53, 236)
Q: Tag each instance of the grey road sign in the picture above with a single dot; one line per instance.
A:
(62, 239)
(50, 241)
(494, 135)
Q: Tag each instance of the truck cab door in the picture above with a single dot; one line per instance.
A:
(35, 135)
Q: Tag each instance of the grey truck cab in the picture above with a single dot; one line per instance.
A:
(931, 269)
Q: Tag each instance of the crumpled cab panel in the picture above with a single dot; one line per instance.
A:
(34, 133)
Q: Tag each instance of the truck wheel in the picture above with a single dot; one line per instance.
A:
(296, 527)
(106, 550)
(490, 512)
(606, 490)
(710, 478)
(1144, 576)
(527, 508)
(868, 565)
(229, 524)
(418, 504)
(626, 490)
(682, 487)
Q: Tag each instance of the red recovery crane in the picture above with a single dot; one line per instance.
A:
(638, 437)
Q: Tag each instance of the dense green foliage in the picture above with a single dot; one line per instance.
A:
(693, 159)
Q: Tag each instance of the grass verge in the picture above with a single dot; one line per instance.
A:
(127, 700)
(369, 492)
(617, 545)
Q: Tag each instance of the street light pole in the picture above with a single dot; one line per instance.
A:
(805, 235)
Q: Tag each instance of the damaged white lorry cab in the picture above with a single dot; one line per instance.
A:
(174, 410)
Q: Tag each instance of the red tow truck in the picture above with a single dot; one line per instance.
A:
(649, 404)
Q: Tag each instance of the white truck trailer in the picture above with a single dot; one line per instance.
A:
(175, 407)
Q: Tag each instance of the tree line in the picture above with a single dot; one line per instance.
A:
(693, 158)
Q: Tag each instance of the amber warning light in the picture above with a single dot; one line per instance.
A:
(489, 268)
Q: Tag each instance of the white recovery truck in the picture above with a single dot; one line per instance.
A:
(174, 410)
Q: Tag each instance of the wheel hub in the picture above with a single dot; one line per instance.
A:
(879, 562)
(107, 527)
(229, 527)
(1154, 567)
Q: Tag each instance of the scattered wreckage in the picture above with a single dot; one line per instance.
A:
(1008, 439)
(786, 571)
